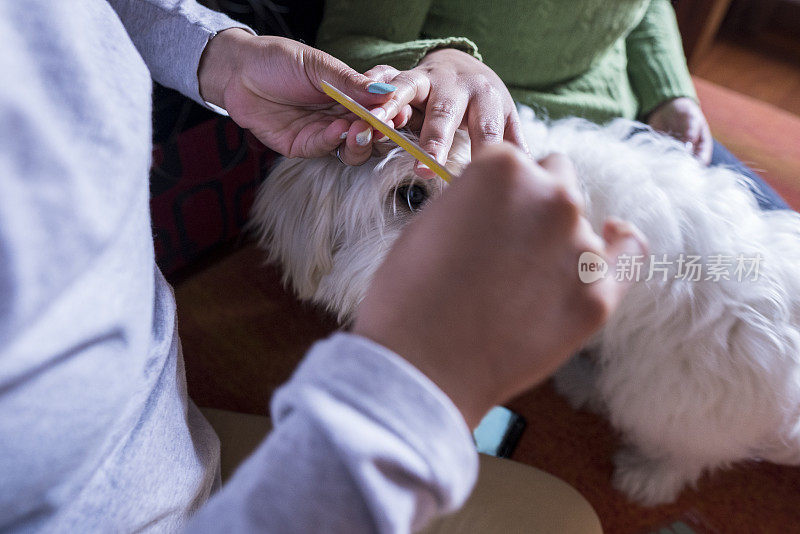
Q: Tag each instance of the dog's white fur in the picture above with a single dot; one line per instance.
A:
(694, 375)
(330, 225)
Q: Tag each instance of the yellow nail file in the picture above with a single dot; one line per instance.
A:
(409, 146)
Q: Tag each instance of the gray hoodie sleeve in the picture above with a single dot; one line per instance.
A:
(363, 442)
(171, 35)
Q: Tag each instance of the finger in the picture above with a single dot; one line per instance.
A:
(513, 132)
(623, 240)
(377, 135)
(622, 237)
(320, 67)
(485, 120)
(402, 118)
(691, 132)
(357, 148)
(317, 138)
(677, 126)
(328, 139)
(382, 73)
(413, 88)
(705, 146)
(443, 116)
(687, 133)
(561, 169)
(415, 121)
(497, 169)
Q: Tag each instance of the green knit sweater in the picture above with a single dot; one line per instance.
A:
(597, 59)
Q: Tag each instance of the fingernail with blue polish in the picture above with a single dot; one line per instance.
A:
(380, 88)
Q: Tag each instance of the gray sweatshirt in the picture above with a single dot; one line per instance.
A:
(96, 431)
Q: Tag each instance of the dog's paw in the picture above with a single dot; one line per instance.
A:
(575, 381)
(648, 481)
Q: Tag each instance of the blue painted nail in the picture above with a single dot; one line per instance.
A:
(380, 88)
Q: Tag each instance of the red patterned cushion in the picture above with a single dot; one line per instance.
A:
(202, 187)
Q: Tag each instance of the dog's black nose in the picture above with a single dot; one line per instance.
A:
(413, 194)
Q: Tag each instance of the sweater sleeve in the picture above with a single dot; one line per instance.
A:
(656, 64)
(363, 33)
(363, 442)
(171, 35)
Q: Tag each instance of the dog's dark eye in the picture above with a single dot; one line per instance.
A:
(413, 195)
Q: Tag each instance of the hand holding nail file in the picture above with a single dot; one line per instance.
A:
(409, 146)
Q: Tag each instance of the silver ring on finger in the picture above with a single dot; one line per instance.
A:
(338, 155)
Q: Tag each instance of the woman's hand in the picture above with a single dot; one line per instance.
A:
(683, 119)
(272, 86)
(452, 89)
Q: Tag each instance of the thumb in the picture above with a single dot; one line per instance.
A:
(625, 248)
(622, 239)
(365, 91)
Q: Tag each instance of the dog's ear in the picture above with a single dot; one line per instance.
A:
(293, 219)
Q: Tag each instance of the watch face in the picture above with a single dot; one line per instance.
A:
(498, 432)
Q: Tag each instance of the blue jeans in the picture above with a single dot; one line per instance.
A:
(768, 198)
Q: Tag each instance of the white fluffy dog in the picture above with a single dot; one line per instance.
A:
(695, 374)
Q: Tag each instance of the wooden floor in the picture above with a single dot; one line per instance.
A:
(767, 69)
